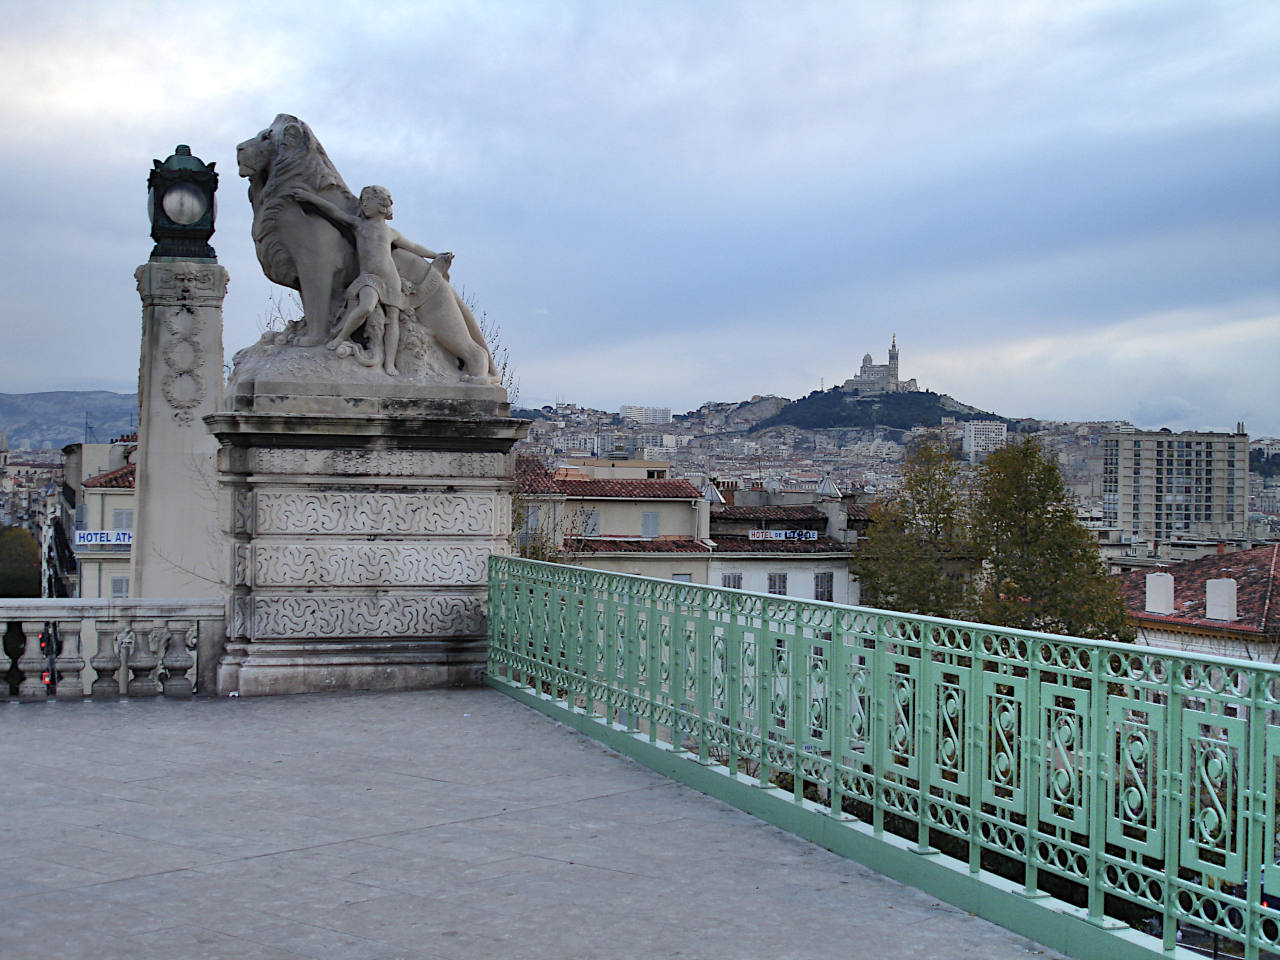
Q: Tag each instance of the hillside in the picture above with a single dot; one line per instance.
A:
(56, 418)
(901, 411)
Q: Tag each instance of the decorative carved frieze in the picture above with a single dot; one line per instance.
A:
(197, 284)
(366, 617)
(367, 564)
(368, 514)
(376, 463)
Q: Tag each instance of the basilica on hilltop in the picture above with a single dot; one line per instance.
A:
(877, 378)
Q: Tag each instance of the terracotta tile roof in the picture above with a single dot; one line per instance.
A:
(533, 477)
(628, 545)
(122, 478)
(745, 545)
(791, 512)
(1257, 576)
(630, 489)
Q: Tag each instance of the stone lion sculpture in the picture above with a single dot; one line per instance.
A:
(305, 251)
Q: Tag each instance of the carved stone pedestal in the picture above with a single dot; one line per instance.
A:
(360, 520)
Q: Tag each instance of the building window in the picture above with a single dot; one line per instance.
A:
(823, 585)
(731, 580)
(591, 523)
(121, 519)
(778, 583)
(682, 577)
(119, 588)
(649, 524)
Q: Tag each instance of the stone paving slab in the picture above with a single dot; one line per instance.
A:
(444, 825)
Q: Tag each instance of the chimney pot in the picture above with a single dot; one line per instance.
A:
(1160, 593)
(1220, 599)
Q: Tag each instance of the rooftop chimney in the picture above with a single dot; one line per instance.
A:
(1220, 599)
(1160, 593)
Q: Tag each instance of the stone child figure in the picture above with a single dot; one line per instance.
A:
(379, 282)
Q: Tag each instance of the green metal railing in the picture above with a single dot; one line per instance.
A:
(1091, 788)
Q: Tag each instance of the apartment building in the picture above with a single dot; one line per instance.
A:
(1159, 485)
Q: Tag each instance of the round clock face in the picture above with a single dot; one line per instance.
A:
(183, 204)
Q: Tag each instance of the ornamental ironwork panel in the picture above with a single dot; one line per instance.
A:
(1138, 782)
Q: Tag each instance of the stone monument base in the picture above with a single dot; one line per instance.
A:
(360, 522)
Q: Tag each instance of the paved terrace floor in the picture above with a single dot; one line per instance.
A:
(451, 824)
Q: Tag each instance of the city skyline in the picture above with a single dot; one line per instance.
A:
(1063, 213)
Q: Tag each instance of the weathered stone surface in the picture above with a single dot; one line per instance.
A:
(359, 544)
(366, 564)
(176, 540)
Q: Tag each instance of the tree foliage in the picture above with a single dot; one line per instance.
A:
(1042, 569)
(916, 552)
(1010, 554)
(19, 563)
(835, 408)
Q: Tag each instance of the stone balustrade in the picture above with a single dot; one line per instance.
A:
(110, 648)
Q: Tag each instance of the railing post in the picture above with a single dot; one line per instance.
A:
(733, 652)
(928, 750)
(144, 660)
(107, 660)
(975, 732)
(631, 657)
(32, 663)
(1032, 754)
(798, 713)
(1261, 809)
(177, 660)
(880, 720)
(702, 634)
(1172, 786)
(838, 678)
(1099, 761)
(70, 662)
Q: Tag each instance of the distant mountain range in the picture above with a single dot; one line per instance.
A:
(57, 418)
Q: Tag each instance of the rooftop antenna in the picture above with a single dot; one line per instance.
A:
(88, 429)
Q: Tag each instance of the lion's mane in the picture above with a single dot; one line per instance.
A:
(296, 159)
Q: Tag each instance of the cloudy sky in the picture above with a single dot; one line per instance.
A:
(1063, 210)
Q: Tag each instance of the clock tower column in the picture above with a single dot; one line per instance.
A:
(176, 546)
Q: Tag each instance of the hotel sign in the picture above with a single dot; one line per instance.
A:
(99, 538)
(783, 534)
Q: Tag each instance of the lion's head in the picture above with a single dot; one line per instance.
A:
(283, 157)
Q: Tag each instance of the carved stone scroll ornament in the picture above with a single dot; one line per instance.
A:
(285, 618)
(370, 514)
(367, 564)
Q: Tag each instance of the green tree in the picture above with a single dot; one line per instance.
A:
(916, 554)
(19, 563)
(1041, 568)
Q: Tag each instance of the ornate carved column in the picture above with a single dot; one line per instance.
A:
(175, 547)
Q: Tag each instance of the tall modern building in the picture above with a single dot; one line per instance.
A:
(983, 436)
(1176, 486)
(647, 415)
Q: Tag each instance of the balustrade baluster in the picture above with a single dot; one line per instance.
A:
(32, 663)
(144, 660)
(177, 660)
(107, 660)
(70, 661)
